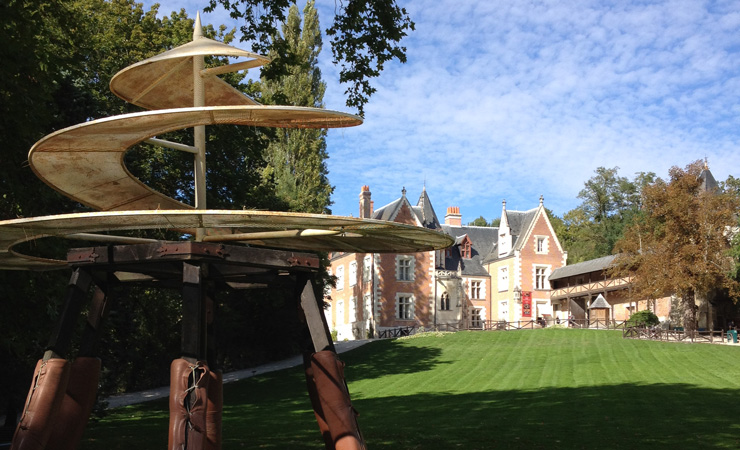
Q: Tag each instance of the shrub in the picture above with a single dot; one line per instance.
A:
(644, 318)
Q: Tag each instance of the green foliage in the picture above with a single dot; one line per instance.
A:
(481, 222)
(365, 35)
(644, 318)
(296, 158)
(610, 203)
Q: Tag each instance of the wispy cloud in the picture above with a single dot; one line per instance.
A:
(513, 99)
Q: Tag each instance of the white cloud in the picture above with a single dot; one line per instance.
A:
(513, 99)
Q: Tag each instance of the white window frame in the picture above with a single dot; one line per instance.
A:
(477, 317)
(405, 313)
(352, 309)
(367, 269)
(503, 279)
(503, 310)
(340, 277)
(367, 307)
(405, 267)
(477, 290)
(541, 245)
(545, 271)
(340, 312)
(353, 273)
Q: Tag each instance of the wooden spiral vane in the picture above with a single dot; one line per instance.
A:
(85, 162)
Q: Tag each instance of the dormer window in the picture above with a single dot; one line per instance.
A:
(466, 250)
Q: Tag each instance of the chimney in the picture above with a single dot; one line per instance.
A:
(453, 217)
(366, 205)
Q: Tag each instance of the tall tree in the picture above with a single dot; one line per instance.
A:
(679, 243)
(609, 204)
(297, 157)
(364, 36)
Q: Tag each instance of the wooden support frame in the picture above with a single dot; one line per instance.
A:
(199, 269)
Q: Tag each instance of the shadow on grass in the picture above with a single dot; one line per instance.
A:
(273, 412)
(380, 358)
(621, 416)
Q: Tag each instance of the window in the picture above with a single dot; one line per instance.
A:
(405, 268)
(444, 301)
(405, 307)
(540, 244)
(475, 290)
(540, 278)
(476, 320)
(340, 312)
(367, 312)
(327, 287)
(367, 269)
(503, 279)
(352, 309)
(353, 273)
(465, 249)
(340, 277)
(503, 310)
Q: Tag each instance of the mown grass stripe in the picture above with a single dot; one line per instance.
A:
(551, 388)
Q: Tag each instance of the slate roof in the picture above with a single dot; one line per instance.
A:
(483, 240)
(593, 265)
(423, 211)
(519, 223)
(708, 183)
(388, 211)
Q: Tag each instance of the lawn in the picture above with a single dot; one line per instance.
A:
(551, 388)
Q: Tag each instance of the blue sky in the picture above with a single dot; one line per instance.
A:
(513, 100)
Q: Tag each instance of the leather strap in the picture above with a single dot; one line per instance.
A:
(42, 404)
(188, 404)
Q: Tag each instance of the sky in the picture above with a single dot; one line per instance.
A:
(513, 100)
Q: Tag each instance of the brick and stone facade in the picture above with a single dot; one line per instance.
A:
(445, 288)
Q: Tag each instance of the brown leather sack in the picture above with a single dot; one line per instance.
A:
(42, 405)
(214, 410)
(78, 402)
(335, 406)
(313, 395)
(188, 403)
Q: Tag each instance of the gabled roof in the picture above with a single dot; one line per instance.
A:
(389, 211)
(423, 212)
(593, 265)
(521, 222)
(483, 240)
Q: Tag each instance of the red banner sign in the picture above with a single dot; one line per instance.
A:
(526, 304)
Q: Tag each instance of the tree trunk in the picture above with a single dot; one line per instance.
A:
(689, 313)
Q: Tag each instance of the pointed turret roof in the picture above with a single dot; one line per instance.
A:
(428, 217)
(708, 183)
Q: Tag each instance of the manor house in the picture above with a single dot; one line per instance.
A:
(490, 274)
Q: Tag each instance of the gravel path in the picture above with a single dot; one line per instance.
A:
(131, 398)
